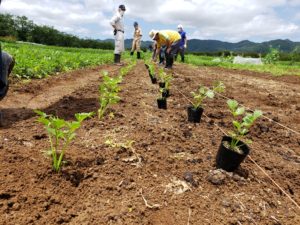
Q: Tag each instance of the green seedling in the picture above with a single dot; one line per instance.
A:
(165, 78)
(241, 128)
(125, 70)
(60, 133)
(204, 92)
(151, 69)
(161, 91)
(108, 93)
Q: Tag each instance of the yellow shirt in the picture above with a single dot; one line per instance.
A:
(165, 36)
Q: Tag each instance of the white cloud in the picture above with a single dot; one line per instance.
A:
(227, 20)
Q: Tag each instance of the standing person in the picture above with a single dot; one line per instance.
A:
(169, 38)
(183, 42)
(118, 24)
(136, 43)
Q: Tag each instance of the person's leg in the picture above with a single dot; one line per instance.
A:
(119, 48)
(174, 49)
(133, 47)
(182, 55)
(138, 48)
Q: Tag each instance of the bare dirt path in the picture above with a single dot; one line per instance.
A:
(40, 94)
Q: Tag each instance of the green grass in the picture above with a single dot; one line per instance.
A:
(278, 69)
(39, 61)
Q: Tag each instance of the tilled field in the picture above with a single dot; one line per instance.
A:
(169, 175)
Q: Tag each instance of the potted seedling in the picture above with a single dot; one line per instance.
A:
(233, 148)
(152, 73)
(162, 75)
(60, 133)
(161, 100)
(196, 109)
(167, 80)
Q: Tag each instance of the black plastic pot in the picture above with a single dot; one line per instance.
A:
(162, 84)
(228, 159)
(162, 103)
(154, 80)
(165, 93)
(194, 115)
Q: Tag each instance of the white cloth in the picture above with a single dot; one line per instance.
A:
(250, 61)
(117, 21)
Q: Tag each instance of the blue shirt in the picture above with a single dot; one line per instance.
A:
(183, 37)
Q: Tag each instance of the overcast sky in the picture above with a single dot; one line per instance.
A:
(230, 20)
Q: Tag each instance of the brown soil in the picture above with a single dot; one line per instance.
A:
(101, 184)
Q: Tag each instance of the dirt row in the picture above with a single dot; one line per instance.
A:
(165, 178)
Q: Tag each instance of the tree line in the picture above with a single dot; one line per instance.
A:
(22, 29)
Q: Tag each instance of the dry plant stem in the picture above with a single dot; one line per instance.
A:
(155, 206)
(190, 213)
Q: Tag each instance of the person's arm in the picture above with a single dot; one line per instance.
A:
(185, 41)
(113, 22)
(156, 52)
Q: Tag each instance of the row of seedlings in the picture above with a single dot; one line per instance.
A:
(61, 133)
(234, 147)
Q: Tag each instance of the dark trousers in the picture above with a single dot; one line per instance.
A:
(181, 53)
(171, 55)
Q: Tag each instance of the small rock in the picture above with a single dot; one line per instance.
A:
(236, 177)
(217, 177)
(226, 203)
(27, 144)
(16, 207)
(188, 177)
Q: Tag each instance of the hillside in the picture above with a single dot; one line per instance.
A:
(196, 45)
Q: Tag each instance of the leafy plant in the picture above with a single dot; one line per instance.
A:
(241, 128)
(151, 69)
(272, 57)
(165, 78)
(227, 59)
(108, 93)
(125, 70)
(60, 133)
(161, 91)
(39, 61)
(204, 92)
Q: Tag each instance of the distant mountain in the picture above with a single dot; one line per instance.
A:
(196, 45)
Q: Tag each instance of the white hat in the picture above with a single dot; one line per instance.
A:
(153, 33)
(180, 26)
